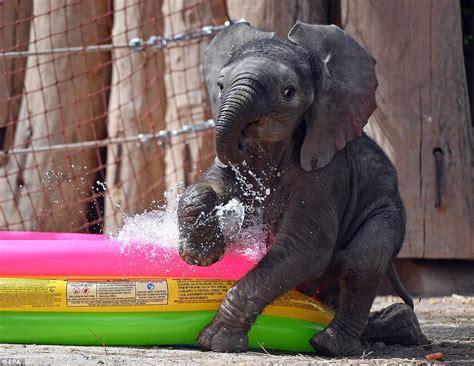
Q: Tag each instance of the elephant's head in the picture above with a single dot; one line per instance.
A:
(263, 88)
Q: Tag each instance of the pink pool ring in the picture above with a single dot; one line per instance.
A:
(68, 255)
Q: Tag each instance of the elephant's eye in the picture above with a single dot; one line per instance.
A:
(221, 87)
(288, 92)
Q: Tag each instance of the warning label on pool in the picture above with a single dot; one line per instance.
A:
(16, 294)
(117, 293)
(140, 295)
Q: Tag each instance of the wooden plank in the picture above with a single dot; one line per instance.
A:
(63, 102)
(14, 35)
(396, 122)
(448, 231)
(422, 105)
(135, 172)
(279, 16)
(187, 157)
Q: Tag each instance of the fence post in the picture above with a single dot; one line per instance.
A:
(14, 34)
(188, 156)
(62, 102)
(135, 171)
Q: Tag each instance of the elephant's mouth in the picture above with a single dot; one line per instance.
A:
(248, 133)
(241, 145)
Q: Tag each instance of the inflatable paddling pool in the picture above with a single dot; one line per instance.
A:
(84, 289)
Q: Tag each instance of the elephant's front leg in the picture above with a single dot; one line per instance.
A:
(283, 268)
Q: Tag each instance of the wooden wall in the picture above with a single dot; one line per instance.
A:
(422, 120)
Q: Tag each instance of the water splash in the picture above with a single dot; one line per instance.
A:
(240, 223)
(252, 242)
(158, 227)
(243, 229)
(103, 185)
(257, 191)
(231, 218)
(77, 182)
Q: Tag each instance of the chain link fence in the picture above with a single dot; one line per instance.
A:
(103, 108)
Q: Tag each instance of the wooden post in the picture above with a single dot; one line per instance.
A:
(422, 120)
(279, 16)
(64, 102)
(187, 157)
(14, 35)
(135, 171)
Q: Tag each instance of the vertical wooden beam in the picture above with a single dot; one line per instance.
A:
(422, 120)
(14, 34)
(279, 16)
(448, 227)
(63, 102)
(135, 171)
(187, 157)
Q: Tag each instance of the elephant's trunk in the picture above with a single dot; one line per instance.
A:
(240, 106)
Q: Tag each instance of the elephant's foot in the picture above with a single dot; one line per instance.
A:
(201, 241)
(395, 324)
(334, 342)
(218, 338)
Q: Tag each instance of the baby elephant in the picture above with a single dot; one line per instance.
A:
(289, 117)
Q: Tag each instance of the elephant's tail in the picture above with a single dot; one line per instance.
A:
(397, 285)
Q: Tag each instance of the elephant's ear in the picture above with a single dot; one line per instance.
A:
(221, 50)
(345, 85)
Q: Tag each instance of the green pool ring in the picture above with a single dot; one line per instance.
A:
(146, 329)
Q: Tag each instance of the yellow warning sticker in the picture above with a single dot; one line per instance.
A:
(117, 293)
(21, 294)
(150, 294)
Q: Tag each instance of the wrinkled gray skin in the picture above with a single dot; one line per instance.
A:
(294, 111)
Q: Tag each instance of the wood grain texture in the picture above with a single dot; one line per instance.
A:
(14, 35)
(422, 106)
(188, 156)
(62, 103)
(277, 15)
(135, 172)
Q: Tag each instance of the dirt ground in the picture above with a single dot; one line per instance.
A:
(447, 321)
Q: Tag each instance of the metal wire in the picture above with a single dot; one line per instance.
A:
(160, 137)
(136, 44)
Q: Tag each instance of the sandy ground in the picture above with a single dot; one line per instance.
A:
(447, 321)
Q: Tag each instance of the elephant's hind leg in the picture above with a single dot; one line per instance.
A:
(360, 267)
